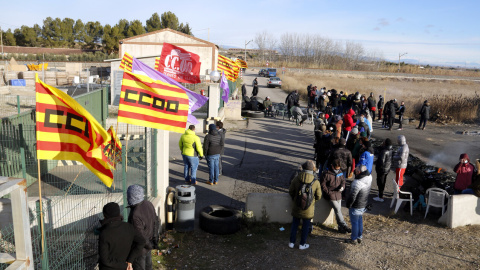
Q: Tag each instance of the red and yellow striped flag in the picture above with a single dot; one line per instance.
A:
(157, 63)
(149, 103)
(111, 150)
(241, 63)
(66, 131)
(226, 65)
(126, 63)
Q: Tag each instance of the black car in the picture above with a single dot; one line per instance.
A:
(262, 72)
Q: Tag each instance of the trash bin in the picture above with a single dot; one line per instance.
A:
(185, 198)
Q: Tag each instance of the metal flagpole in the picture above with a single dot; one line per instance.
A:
(41, 207)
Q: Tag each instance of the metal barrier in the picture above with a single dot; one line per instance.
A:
(73, 198)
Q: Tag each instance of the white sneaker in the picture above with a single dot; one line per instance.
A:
(378, 199)
(302, 247)
(291, 245)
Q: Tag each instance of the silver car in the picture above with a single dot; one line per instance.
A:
(274, 82)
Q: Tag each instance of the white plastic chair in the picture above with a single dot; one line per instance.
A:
(396, 197)
(435, 197)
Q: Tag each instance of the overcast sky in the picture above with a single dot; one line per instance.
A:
(429, 31)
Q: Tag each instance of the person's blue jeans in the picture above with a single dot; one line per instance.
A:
(356, 218)
(468, 191)
(213, 161)
(306, 225)
(190, 164)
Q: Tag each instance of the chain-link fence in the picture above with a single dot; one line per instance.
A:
(73, 197)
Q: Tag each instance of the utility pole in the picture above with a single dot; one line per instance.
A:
(246, 43)
(400, 55)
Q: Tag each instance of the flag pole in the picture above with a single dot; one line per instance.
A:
(41, 206)
(115, 151)
(73, 181)
(126, 152)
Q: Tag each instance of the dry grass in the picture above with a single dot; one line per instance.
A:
(456, 98)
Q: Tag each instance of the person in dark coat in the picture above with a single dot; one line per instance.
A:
(222, 132)
(306, 176)
(244, 89)
(380, 105)
(382, 167)
(333, 183)
(255, 87)
(291, 100)
(400, 112)
(323, 149)
(212, 148)
(391, 113)
(341, 153)
(143, 217)
(424, 114)
(372, 106)
(117, 253)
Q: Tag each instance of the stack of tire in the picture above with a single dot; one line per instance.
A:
(220, 219)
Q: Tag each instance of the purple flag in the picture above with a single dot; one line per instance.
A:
(195, 100)
(224, 86)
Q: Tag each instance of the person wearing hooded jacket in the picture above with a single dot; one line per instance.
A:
(424, 115)
(392, 110)
(333, 183)
(363, 126)
(366, 155)
(465, 173)
(348, 123)
(191, 148)
(306, 176)
(341, 153)
(357, 201)
(372, 103)
(382, 167)
(380, 105)
(400, 159)
(117, 253)
(212, 148)
(142, 216)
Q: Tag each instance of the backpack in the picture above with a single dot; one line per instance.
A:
(305, 196)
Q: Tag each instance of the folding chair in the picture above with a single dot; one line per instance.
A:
(436, 197)
(396, 197)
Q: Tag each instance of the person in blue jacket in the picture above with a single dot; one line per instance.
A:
(366, 155)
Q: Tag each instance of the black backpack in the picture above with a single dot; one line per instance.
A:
(305, 195)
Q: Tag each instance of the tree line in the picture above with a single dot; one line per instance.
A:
(68, 33)
(314, 50)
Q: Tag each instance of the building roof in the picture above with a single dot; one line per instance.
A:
(167, 30)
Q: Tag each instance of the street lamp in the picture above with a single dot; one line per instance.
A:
(214, 76)
(246, 43)
(400, 55)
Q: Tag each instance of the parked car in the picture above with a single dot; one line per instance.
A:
(274, 82)
(262, 72)
(271, 72)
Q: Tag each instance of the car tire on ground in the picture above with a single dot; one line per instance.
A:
(253, 114)
(219, 219)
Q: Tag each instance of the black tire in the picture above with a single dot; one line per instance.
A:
(219, 219)
(253, 114)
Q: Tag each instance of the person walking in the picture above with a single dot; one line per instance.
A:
(291, 100)
(222, 132)
(143, 217)
(424, 114)
(306, 176)
(382, 167)
(255, 87)
(333, 183)
(191, 148)
(380, 105)
(212, 147)
(392, 110)
(357, 201)
(400, 112)
(117, 253)
(400, 159)
(465, 173)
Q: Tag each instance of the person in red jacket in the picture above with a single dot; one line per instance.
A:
(348, 123)
(465, 173)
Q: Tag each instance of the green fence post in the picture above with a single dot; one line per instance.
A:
(154, 161)
(44, 257)
(18, 104)
(22, 151)
(124, 185)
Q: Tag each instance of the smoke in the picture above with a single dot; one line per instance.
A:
(449, 155)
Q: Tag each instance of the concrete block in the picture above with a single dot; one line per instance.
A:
(463, 209)
(233, 109)
(278, 206)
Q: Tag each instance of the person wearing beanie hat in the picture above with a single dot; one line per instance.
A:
(213, 144)
(192, 151)
(117, 253)
(465, 172)
(144, 219)
(366, 155)
(304, 177)
(424, 115)
(382, 167)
